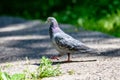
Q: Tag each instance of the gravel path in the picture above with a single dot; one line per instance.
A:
(21, 38)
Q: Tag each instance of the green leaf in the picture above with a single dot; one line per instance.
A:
(18, 77)
(4, 76)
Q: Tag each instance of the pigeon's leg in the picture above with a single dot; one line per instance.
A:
(68, 57)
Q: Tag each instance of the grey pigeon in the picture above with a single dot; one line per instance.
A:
(64, 43)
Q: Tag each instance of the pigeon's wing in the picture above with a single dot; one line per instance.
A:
(69, 43)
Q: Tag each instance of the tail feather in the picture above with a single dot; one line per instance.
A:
(90, 51)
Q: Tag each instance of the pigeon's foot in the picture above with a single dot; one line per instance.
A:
(67, 61)
(55, 57)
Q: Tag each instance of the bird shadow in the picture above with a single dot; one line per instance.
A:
(64, 62)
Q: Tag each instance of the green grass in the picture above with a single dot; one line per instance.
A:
(109, 23)
(45, 69)
(6, 76)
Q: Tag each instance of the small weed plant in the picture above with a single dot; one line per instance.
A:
(46, 69)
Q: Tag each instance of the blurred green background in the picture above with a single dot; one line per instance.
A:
(96, 15)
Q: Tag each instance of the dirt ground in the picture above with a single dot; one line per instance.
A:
(20, 38)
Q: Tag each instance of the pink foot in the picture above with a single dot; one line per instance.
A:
(68, 61)
(55, 57)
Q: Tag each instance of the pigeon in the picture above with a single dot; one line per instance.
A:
(64, 43)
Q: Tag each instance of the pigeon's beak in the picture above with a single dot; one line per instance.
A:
(47, 21)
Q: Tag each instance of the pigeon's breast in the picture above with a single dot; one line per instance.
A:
(62, 45)
(61, 51)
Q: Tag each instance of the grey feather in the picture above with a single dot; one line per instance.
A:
(68, 44)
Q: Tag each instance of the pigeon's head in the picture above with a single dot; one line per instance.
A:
(53, 24)
(51, 19)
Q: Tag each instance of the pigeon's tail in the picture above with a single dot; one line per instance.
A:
(90, 51)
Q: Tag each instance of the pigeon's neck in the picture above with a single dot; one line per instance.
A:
(54, 28)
